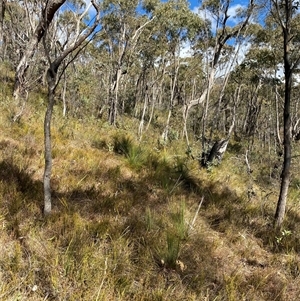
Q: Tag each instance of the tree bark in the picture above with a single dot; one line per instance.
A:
(287, 130)
(173, 83)
(287, 155)
(278, 138)
(64, 96)
(154, 96)
(2, 14)
(141, 126)
(51, 77)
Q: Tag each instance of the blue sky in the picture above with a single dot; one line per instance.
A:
(195, 3)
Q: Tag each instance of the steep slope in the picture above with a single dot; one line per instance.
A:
(127, 222)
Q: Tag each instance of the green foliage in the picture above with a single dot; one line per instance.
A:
(150, 5)
(149, 219)
(176, 234)
(180, 223)
(16, 260)
(125, 145)
(173, 135)
(186, 180)
(283, 235)
(232, 284)
(122, 145)
(103, 144)
(285, 240)
(172, 252)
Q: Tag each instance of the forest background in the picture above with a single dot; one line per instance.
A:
(149, 150)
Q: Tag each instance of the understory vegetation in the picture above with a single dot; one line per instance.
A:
(138, 220)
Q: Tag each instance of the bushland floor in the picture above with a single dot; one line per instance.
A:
(137, 221)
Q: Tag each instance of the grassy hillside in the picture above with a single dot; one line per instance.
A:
(136, 221)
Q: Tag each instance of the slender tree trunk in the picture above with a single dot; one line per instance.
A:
(114, 98)
(205, 153)
(185, 114)
(165, 133)
(277, 113)
(154, 96)
(138, 97)
(285, 176)
(141, 126)
(112, 109)
(144, 94)
(64, 96)
(287, 155)
(2, 14)
(287, 130)
(47, 143)
(185, 132)
(173, 84)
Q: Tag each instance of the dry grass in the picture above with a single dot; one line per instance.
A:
(121, 227)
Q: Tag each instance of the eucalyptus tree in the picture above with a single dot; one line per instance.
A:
(122, 28)
(150, 68)
(216, 40)
(154, 60)
(17, 19)
(266, 55)
(39, 29)
(256, 72)
(13, 23)
(286, 15)
(178, 25)
(79, 39)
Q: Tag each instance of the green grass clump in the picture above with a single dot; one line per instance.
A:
(134, 154)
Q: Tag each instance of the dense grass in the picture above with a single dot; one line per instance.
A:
(127, 222)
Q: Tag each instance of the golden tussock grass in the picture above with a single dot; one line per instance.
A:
(127, 222)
